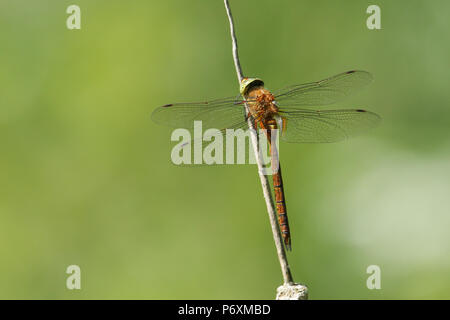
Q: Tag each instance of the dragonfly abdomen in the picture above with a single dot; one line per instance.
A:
(281, 208)
(278, 187)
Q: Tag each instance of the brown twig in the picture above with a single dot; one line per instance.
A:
(289, 286)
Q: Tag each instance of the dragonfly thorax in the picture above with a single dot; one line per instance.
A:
(261, 103)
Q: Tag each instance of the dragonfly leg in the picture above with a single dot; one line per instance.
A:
(284, 123)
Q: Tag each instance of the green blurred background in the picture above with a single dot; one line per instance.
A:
(86, 178)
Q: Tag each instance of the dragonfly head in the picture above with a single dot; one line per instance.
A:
(247, 83)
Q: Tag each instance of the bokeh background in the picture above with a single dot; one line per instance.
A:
(86, 178)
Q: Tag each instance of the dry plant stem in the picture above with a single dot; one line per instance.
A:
(264, 180)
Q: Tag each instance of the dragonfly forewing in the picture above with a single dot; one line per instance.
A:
(183, 115)
(324, 92)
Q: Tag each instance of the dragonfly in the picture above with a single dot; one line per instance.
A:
(293, 111)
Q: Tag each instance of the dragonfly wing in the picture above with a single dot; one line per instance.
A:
(310, 126)
(221, 115)
(218, 114)
(324, 92)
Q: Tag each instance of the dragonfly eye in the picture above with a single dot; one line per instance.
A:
(249, 83)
